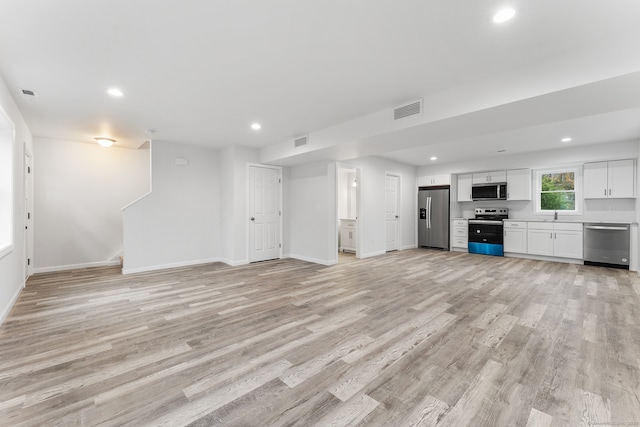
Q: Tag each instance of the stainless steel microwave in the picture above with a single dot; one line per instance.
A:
(493, 191)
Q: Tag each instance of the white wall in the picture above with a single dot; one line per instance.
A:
(311, 188)
(233, 199)
(243, 155)
(227, 204)
(372, 210)
(12, 265)
(178, 223)
(79, 192)
(311, 213)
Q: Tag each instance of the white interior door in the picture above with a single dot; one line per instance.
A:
(392, 184)
(264, 213)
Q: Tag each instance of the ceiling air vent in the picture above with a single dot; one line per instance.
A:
(413, 109)
(28, 92)
(299, 142)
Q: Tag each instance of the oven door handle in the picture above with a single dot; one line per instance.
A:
(484, 221)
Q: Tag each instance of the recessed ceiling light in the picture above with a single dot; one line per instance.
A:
(503, 15)
(567, 139)
(105, 142)
(114, 91)
(256, 126)
(434, 158)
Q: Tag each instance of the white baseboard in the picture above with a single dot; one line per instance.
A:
(75, 266)
(544, 258)
(313, 260)
(171, 265)
(12, 302)
(372, 254)
(234, 263)
(404, 248)
(453, 249)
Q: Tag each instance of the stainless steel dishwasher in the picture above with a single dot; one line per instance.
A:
(606, 245)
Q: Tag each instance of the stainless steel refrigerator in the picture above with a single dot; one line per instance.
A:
(433, 217)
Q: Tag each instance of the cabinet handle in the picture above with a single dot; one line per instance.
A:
(555, 235)
(609, 191)
(605, 191)
(551, 235)
(350, 234)
(469, 196)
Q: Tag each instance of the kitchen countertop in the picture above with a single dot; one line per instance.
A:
(578, 221)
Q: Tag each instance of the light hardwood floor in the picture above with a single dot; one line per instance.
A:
(417, 337)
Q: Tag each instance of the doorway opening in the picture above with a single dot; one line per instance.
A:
(347, 191)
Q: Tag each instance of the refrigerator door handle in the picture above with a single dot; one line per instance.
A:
(428, 212)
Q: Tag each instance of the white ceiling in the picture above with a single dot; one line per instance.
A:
(201, 71)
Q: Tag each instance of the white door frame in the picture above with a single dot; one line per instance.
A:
(339, 167)
(399, 205)
(28, 214)
(248, 207)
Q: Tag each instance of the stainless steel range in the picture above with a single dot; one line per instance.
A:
(486, 231)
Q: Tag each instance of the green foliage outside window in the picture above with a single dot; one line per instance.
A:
(558, 192)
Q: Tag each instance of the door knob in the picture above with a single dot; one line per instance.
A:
(253, 219)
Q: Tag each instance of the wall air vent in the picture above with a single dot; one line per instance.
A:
(413, 109)
(301, 141)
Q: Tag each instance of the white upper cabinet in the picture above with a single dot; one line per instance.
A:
(622, 179)
(489, 177)
(519, 184)
(432, 180)
(464, 187)
(596, 184)
(614, 179)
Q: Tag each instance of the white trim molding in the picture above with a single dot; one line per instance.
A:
(76, 266)
(12, 302)
(172, 265)
(313, 260)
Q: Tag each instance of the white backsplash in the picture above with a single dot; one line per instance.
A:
(593, 210)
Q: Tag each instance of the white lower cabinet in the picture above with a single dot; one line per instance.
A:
(348, 235)
(568, 241)
(515, 237)
(557, 239)
(540, 238)
(460, 234)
